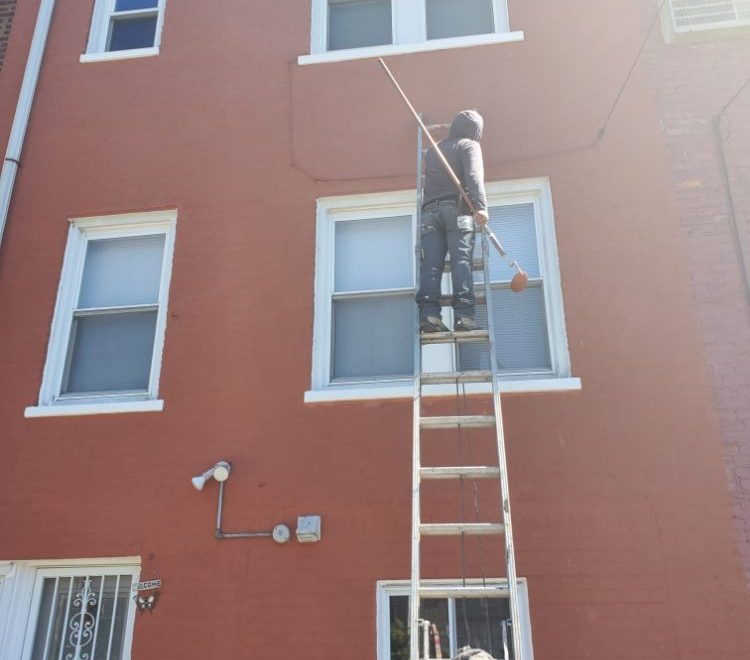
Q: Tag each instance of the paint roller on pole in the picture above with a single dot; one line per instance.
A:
(520, 279)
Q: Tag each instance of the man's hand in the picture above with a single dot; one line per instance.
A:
(480, 219)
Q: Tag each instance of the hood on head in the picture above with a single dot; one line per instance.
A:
(467, 124)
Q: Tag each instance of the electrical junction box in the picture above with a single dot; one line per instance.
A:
(308, 529)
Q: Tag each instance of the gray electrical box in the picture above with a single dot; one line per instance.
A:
(308, 529)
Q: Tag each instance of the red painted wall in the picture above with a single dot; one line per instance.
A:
(622, 516)
(695, 80)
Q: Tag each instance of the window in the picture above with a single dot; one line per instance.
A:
(70, 609)
(365, 315)
(125, 28)
(476, 622)
(108, 327)
(699, 15)
(361, 28)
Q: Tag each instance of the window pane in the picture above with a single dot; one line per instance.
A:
(373, 337)
(434, 610)
(399, 615)
(479, 623)
(110, 352)
(456, 18)
(129, 5)
(514, 225)
(127, 33)
(359, 23)
(122, 271)
(374, 254)
(520, 333)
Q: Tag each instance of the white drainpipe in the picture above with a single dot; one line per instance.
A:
(23, 109)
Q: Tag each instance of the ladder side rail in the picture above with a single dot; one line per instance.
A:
(416, 415)
(510, 559)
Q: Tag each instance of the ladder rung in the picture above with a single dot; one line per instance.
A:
(479, 299)
(443, 377)
(455, 529)
(451, 337)
(472, 471)
(476, 264)
(457, 421)
(469, 591)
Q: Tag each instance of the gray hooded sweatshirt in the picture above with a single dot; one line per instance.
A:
(462, 151)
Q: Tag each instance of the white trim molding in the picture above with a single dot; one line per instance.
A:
(21, 583)
(101, 31)
(403, 49)
(119, 55)
(331, 210)
(385, 589)
(82, 230)
(408, 33)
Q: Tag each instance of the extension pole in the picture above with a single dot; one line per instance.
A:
(520, 279)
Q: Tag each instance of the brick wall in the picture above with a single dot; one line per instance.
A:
(7, 9)
(694, 81)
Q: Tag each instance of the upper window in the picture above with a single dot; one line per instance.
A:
(454, 622)
(383, 26)
(108, 327)
(699, 15)
(126, 27)
(69, 610)
(365, 314)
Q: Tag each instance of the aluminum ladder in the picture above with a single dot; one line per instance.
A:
(421, 473)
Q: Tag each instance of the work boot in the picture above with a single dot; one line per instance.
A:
(465, 324)
(432, 324)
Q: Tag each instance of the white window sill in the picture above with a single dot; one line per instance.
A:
(405, 390)
(120, 54)
(399, 49)
(62, 410)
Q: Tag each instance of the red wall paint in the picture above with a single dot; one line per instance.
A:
(622, 516)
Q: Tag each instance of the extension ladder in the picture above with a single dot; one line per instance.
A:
(421, 473)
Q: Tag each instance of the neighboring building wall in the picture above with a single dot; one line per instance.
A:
(7, 10)
(695, 78)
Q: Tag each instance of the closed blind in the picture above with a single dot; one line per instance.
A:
(122, 271)
(457, 18)
(358, 23)
(521, 337)
(373, 337)
(372, 333)
(110, 352)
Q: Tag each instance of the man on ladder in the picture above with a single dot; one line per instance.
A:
(447, 225)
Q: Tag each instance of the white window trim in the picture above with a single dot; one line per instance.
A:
(80, 231)
(409, 34)
(96, 48)
(335, 209)
(19, 597)
(387, 588)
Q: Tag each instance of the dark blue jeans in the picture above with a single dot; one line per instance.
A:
(443, 230)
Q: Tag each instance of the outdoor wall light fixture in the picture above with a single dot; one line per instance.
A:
(308, 527)
(220, 472)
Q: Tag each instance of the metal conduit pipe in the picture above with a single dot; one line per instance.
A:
(23, 109)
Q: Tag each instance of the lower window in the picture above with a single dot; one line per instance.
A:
(76, 611)
(481, 623)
